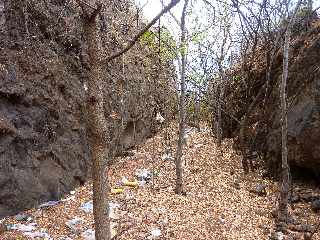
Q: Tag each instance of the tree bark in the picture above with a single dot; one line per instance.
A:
(197, 109)
(97, 128)
(220, 95)
(285, 181)
(179, 171)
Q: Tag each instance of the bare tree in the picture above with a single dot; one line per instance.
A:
(183, 51)
(97, 125)
(285, 181)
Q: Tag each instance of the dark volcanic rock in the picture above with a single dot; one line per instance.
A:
(43, 150)
(43, 73)
(263, 131)
(315, 205)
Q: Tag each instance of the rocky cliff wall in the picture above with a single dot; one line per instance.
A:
(263, 132)
(43, 74)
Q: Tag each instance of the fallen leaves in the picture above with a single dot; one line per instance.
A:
(218, 204)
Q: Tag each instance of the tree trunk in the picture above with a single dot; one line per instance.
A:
(285, 183)
(220, 94)
(179, 175)
(197, 109)
(247, 164)
(97, 128)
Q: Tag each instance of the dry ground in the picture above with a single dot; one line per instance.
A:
(218, 203)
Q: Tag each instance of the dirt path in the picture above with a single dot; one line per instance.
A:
(219, 203)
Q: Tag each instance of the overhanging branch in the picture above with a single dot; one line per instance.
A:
(136, 38)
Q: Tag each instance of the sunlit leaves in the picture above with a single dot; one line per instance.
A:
(166, 46)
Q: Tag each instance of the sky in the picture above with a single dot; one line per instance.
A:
(152, 7)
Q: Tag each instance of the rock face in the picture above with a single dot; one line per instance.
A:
(43, 74)
(263, 133)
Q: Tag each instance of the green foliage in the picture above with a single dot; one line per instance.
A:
(168, 46)
(205, 113)
(198, 37)
(236, 78)
(148, 38)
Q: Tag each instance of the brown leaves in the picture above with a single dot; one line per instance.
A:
(214, 207)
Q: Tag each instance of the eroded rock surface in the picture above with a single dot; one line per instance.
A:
(43, 73)
(263, 132)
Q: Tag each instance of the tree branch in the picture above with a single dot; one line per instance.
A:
(136, 38)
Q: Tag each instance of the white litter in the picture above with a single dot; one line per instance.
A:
(113, 207)
(49, 204)
(143, 175)
(113, 210)
(72, 198)
(87, 207)
(167, 157)
(74, 223)
(88, 234)
(156, 232)
(23, 227)
(42, 235)
(279, 236)
(159, 118)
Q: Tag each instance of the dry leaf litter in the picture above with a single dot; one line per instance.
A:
(220, 202)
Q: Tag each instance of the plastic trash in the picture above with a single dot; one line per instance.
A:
(167, 157)
(74, 223)
(64, 238)
(72, 198)
(22, 227)
(127, 183)
(279, 236)
(22, 217)
(117, 190)
(87, 207)
(143, 175)
(88, 235)
(49, 204)
(113, 210)
(42, 235)
(159, 118)
(155, 232)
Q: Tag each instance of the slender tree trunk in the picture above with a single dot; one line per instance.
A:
(97, 128)
(285, 183)
(220, 94)
(197, 109)
(179, 171)
(247, 164)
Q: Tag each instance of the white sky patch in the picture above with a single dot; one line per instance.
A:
(152, 7)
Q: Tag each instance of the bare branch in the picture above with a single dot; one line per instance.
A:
(149, 25)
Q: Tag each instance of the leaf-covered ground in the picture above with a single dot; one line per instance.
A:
(220, 202)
